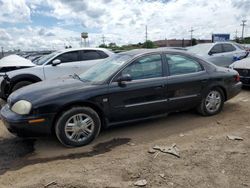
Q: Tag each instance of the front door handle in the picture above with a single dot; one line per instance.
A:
(204, 80)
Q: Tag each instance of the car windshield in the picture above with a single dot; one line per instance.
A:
(102, 71)
(45, 58)
(200, 48)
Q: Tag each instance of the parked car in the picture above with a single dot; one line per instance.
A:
(220, 53)
(130, 86)
(20, 72)
(243, 68)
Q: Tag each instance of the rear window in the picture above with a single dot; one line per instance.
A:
(102, 54)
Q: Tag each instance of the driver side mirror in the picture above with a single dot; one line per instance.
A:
(124, 78)
(56, 62)
(210, 53)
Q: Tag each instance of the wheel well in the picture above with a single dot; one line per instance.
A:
(30, 78)
(78, 104)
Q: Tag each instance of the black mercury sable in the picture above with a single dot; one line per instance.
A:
(130, 86)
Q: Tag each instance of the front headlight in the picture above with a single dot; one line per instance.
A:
(22, 107)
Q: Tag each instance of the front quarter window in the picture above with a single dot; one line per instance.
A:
(146, 67)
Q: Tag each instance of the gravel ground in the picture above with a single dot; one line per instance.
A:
(119, 157)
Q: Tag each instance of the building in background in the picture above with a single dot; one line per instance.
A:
(178, 42)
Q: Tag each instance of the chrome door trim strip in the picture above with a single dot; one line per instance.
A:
(145, 103)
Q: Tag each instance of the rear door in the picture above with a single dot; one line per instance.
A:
(144, 95)
(89, 58)
(185, 82)
(230, 54)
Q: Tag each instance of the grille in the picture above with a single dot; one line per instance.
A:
(243, 72)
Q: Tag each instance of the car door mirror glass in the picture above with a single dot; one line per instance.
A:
(56, 62)
(124, 78)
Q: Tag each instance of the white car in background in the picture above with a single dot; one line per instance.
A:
(243, 68)
(220, 53)
(17, 72)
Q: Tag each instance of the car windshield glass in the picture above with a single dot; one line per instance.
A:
(102, 71)
(45, 58)
(200, 48)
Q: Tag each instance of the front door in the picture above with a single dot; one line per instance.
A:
(69, 65)
(141, 97)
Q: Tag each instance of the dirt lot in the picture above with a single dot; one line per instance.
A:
(119, 157)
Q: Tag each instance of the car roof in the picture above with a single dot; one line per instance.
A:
(137, 52)
(85, 48)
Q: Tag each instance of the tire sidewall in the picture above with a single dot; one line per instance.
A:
(20, 84)
(61, 123)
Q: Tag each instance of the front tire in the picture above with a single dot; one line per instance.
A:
(20, 85)
(77, 126)
(212, 103)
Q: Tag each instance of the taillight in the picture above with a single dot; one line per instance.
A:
(237, 78)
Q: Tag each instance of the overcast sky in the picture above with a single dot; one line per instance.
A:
(46, 24)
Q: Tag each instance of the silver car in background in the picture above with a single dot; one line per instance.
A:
(220, 53)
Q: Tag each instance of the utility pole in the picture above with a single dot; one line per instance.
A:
(103, 39)
(2, 51)
(191, 37)
(146, 33)
(236, 34)
(243, 28)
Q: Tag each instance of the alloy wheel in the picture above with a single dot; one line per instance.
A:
(79, 127)
(213, 101)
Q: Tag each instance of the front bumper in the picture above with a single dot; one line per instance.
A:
(234, 90)
(19, 124)
(245, 80)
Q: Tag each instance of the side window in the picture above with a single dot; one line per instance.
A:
(178, 65)
(146, 67)
(68, 57)
(90, 55)
(216, 49)
(228, 48)
(102, 54)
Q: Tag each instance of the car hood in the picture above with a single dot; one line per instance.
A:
(44, 91)
(242, 64)
(15, 61)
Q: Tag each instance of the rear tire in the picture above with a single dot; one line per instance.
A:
(20, 85)
(77, 126)
(212, 102)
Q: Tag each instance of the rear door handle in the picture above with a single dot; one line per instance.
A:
(159, 87)
(204, 81)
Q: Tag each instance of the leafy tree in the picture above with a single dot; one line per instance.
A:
(103, 46)
(149, 44)
(194, 41)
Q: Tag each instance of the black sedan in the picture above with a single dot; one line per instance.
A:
(130, 86)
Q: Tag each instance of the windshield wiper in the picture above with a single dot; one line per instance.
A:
(76, 76)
